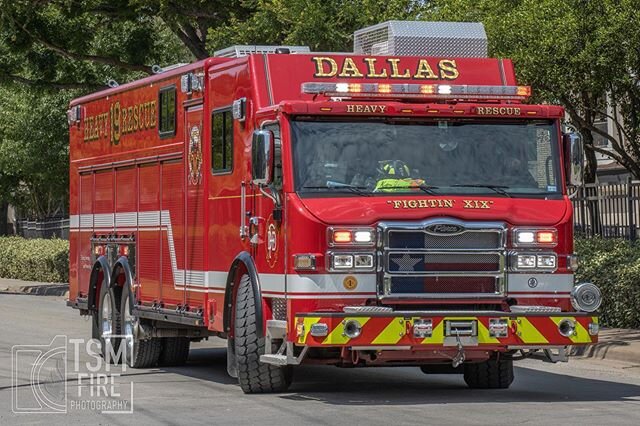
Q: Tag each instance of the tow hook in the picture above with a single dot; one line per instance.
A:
(459, 357)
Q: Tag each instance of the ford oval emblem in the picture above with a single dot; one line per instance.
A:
(444, 228)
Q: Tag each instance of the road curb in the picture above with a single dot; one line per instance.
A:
(614, 344)
(33, 288)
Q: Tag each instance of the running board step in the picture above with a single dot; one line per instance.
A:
(274, 359)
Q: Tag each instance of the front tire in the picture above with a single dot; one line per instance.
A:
(139, 353)
(254, 376)
(491, 374)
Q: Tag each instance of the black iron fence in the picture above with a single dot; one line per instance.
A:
(49, 228)
(609, 210)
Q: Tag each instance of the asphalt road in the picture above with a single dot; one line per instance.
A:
(581, 392)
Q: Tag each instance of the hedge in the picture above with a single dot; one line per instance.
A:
(34, 259)
(614, 266)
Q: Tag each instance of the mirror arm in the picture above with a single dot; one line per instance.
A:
(271, 193)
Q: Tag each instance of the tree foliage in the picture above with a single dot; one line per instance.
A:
(321, 25)
(34, 155)
(580, 53)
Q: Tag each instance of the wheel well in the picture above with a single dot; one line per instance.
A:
(100, 268)
(120, 277)
(242, 264)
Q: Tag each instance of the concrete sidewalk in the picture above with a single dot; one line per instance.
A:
(8, 285)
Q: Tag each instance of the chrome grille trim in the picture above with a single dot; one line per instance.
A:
(461, 238)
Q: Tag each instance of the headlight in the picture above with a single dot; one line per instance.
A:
(545, 262)
(340, 262)
(586, 297)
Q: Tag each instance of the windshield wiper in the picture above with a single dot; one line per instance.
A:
(499, 189)
(343, 186)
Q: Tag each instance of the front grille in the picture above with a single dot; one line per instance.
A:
(444, 285)
(423, 240)
(420, 263)
(467, 259)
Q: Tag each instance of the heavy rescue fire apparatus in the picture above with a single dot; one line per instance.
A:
(399, 206)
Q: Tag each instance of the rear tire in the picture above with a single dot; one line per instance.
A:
(139, 353)
(175, 351)
(490, 374)
(107, 324)
(254, 376)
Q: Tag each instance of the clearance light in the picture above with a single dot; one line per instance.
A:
(304, 262)
(535, 237)
(433, 91)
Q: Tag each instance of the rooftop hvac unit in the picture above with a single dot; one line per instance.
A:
(421, 38)
(238, 51)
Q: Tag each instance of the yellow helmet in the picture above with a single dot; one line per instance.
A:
(395, 168)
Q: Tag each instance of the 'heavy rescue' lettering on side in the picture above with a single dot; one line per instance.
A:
(120, 120)
(326, 67)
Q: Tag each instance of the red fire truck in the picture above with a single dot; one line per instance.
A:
(380, 208)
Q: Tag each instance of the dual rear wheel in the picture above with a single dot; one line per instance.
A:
(115, 324)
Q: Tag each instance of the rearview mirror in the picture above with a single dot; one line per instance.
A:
(573, 158)
(262, 157)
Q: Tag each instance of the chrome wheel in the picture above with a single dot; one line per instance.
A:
(129, 329)
(107, 325)
(141, 351)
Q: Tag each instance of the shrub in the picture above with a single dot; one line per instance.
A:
(34, 259)
(614, 266)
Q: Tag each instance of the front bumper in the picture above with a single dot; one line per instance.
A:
(395, 330)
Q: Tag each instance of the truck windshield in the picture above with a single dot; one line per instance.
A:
(507, 159)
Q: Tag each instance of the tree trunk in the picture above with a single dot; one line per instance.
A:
(4, 218)
(591, 166)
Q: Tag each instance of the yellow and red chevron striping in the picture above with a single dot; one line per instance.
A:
(390, 331)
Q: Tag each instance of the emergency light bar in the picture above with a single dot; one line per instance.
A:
(432, 91)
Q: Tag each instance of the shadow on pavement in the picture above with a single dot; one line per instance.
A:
(409, 386)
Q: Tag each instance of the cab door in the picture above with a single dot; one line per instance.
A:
(266, 228)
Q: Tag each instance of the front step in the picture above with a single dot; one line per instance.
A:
(274, 359)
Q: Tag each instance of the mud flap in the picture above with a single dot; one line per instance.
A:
(232, 364)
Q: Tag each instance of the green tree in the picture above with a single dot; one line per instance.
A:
(580, 53)
(321, 25)
(81, 43)
(34, 159)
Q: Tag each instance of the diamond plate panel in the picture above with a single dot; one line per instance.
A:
(421, 38)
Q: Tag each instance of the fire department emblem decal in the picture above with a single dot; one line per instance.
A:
(272, 245)
(195, 156)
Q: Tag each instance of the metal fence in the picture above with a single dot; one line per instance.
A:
(609, 210)
(50, 228)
